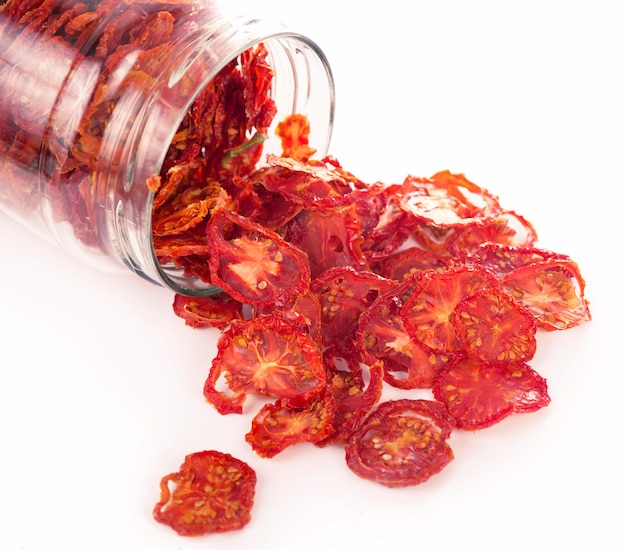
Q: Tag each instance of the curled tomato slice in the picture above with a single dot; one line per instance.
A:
(401, 443)
(215, 310)
(344, 294)
(494, 328)
(253, 264)
(427, 312)
(553, 290)
(266, 355)
(279, 425)
(479, 395)
(212, 492)
(381, 336)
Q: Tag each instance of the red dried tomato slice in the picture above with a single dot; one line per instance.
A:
(553, 290)
(427, 312)
(402, 265)
(266, 355)
(494, 328)
(354, 393)
(344, 294)
(381, 336)
(216, 310)
(254, 265)
(279, 425)
(213, 492)
(447, 200)
(401, 443)
(479, 395)
(501, 259)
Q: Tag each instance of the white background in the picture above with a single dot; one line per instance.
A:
(101, 384)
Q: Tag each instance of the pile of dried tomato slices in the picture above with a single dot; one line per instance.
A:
(334, 287)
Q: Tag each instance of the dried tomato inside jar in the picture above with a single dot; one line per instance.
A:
(122, 121)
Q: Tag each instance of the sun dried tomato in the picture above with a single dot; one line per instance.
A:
(279, 425)
(266, 355)
(294, 132)
(402, 265)
(255, 265)
(494, 328)
(382, 336)
(553, 290)
(212, 492)
(448, 200)
(401, 443)
(344, 294)
(479, 395)
(355, 387)
(216, 310)
(428, 311)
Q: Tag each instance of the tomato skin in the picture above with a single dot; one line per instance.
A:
(266, 355)
(214, 492)
(401, 443)
(479, 395)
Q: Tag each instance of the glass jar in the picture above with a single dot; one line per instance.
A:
(93, 97)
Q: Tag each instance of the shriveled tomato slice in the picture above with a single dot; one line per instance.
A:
(279, 425)
(215, 310)
(212, 492)
(254, 265)
(447, 200)
(294, 131)
(355, 387)
(494, 328)
(427, 312)
(401, 443)
(344, 294)
(479, 395)
(265, 355)
(553, 290)
(401, 265)
(381, 336)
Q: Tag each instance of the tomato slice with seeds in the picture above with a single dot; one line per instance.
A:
(553, 290)
(401, 443)
(279, 425)
(255, 266)
(479, 395)
(215, 310)
(381, 336)
(266, 355)
(212, 492)
(447, 200)
(355, 387)
(494, 328)
(402, 265)
(427, 312)
(344, 294)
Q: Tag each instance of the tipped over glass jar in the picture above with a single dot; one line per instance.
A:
(120, 121)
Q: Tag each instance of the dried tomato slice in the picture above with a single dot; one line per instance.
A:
(215, 310)
(344, 294)
(253, 264)
(294, 132)
(265, 355)
(427, 312)
(403, 265)
(448, 200)
(354, 393)
(279, 425)
(382, 336)
(213, 492)
(494, 328)
(553, 290)
(401, 443)
(479, 395)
